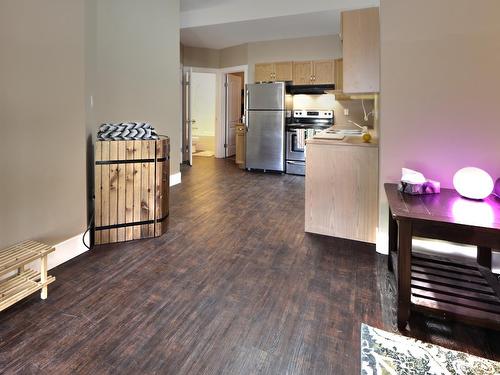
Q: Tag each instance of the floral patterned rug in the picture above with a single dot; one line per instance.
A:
(388, 353)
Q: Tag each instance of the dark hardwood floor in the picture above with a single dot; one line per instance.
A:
(234, 287)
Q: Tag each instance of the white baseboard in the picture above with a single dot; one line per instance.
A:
(65, 251)
(175, 179)
(74, 246)
(382, 244)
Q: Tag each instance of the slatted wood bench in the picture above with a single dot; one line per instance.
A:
(26, 281)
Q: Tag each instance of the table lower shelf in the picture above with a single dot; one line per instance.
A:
(460, 290)
(15, 288)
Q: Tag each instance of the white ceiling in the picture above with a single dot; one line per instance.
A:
(223, 23)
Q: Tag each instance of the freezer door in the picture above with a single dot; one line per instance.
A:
(264, 96)
(265, 140)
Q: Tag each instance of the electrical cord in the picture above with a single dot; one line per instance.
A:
(364, 110)
(87, 230)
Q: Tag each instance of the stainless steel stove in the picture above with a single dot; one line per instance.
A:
(303, 124)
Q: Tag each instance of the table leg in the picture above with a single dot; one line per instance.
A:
(404, 273)
(484, 256)
(393, 238)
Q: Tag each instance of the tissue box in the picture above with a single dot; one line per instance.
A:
(427, 187)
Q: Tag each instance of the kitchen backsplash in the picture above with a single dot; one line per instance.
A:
(328, 102)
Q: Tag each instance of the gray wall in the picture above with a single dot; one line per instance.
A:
(42, 143)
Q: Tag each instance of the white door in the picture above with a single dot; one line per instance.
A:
(187, 154)
(234, 85)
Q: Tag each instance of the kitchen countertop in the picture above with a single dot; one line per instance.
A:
(347, 141)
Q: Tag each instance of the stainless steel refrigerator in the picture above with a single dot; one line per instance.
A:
(265, 121)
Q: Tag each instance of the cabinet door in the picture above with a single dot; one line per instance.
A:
(283, 71)
(240, 145)
(361, 50)
(264, 72)
(302, 72)
(339, 72)
(341, 194)
(324, 72)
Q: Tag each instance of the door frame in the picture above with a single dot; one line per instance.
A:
(221, 134)
(218, 80)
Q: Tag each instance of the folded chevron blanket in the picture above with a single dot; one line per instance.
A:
(127, 131)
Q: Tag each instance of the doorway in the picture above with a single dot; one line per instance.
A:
(203, 113)
(205, 103)
(200, 113)
(235, 107)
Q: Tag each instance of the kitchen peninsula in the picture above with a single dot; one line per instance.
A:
(341, 196)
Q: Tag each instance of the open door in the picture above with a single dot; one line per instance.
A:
(187, 123)
(234, 86)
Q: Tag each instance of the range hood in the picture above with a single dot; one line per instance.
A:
(309, 89)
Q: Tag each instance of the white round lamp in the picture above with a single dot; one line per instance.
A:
(473, 183)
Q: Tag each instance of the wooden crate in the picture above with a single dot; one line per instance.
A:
(131, 190)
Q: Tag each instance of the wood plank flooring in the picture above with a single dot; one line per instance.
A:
(234, 287)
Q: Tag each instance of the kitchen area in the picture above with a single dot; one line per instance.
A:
(319, 119)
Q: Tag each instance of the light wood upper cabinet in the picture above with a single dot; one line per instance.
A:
(361, 50)
(283, 71)
(314, 72)
(323, 72)
(302, 72)
(264, 72)
(273, 72)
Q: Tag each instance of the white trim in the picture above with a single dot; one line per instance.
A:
(175, 179)
(382, 242)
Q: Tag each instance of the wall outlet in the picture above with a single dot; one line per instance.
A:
(346, 111)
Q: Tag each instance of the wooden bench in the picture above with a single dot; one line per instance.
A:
(25, 281)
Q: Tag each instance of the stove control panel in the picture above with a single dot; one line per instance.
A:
(313, 114)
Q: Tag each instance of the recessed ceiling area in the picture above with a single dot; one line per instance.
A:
(220, 24)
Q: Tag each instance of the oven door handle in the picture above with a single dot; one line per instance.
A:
(295, 162)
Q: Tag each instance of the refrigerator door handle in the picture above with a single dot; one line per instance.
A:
(246, 110)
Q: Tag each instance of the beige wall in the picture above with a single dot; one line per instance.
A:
(42, 116)
(439, 89)
(234, 56)
(137, 70)
(55, 56)
(200, 57)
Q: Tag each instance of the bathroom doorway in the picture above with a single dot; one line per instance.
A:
(213, 102)
(203, 113)
(200, 114)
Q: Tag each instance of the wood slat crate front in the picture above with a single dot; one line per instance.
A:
(131, 190)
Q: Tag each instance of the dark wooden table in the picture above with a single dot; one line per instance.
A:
(453, 288)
